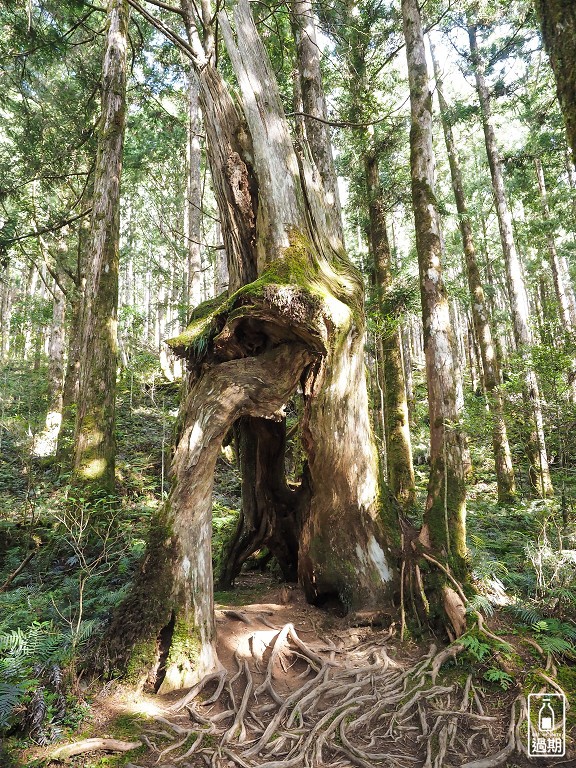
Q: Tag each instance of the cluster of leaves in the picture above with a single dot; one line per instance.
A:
(32, 688)
(480, 650)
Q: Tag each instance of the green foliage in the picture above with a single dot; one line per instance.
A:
(497, 675)
(30, 663)
(475, 647)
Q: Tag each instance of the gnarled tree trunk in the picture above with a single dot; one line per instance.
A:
(294, 321)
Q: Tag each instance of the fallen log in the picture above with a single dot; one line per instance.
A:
(93, 745)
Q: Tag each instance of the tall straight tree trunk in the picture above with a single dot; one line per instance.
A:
(558, 264)
(444, 525)
(560, 276)
(193, 211)
(45, 443)
(558, 23)
(314, 107)
(95, 447)
(397, 428)
(75, 310)
(518, 297)
(5, 313)
(298, 321)
(480, 313)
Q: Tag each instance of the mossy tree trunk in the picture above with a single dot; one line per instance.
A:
(480, 312)
(174, 585)
(444, 525)
(517, 294)
(95, 447)
(294, 321)
(74, 311)
(558, 23)
(398, 445)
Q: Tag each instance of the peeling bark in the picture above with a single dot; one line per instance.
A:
(311, 92)
(193, 208)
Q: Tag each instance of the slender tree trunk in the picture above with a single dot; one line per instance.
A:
(193, 211)
(398, 447)
(95, 449)
(45, 443)
(75, 310)
(444, 526)
(407, 362)
(558, 23)
(31, 287)
(518, 297)
(480, 313)
(314, 107)
(560, 275)
(5, 314)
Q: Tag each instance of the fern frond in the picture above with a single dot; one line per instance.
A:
(11, 696)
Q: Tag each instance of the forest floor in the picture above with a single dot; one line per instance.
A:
(305, 687)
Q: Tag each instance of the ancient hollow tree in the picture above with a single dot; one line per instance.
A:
(293, 323)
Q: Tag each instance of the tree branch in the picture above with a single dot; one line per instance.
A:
(45, 230)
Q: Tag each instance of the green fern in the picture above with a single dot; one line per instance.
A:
(480, 603)
(474, 646)
(496, 675)
(526, 613)
(11, 696)
(554, 644)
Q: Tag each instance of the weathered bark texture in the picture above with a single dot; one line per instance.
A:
(174, 586)
(480, 313)
(296, 322)
(517, 294)
(444, 528)
(311, 92)
(397, 428)
(95, 448)
(558, 23)
(271, 512)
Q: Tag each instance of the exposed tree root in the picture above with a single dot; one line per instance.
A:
(358, 708)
